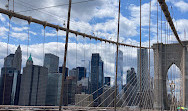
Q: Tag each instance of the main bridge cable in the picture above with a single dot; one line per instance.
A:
(23, 17)
(166, 12)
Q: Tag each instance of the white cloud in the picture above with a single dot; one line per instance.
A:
(3, 31)
(19, 29)
(183, 6)
(135, 13)
(32, 32)
(19, 36)
(2, 18)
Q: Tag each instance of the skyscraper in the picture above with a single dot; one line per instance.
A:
(51, 62)
(97, 76)
(144, 69)
(33, 84)
(66, 71)
(11, 78)
(73, 72)
(78, 72)
(107, 81)
(119, 70)
(131, 77)
(14, 60)
(69, 91)
(131, 87)
(53, 89)
(81, 72)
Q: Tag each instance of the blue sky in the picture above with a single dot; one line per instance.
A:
(98, 17)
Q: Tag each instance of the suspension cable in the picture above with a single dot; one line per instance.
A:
(91, 94)
(161, 26)
(62, 28)
(28, 40)
(149, 39)
(6, 63)
(140, 53)
(44, 40)
(57, 51)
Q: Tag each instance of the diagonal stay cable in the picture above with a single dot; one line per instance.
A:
(99, 96)
(117, 96)
(89, 95)
(127, 89)
(119, 93)
(129, 94)
(144, 87)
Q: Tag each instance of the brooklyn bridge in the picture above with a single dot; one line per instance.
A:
(88, 55)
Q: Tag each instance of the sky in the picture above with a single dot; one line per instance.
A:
(94, 17)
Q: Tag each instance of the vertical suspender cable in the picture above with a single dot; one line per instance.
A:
(184, 34)
(161, 26)
(4, 86)
(8, 4)
(157, 22)
(117, 56)
(149, 45)
(84, 62)
(161, 44)
(28, 40)
(158, 50)
(140, 54)
(76, 58)
(65, 55)
(44, 41)
(13, 5)
(90, 65)
(57, 42)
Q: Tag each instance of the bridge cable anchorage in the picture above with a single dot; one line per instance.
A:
(62, 28)
(166, 12)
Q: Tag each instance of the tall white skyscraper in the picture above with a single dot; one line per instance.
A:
(144, 69)
(119, 70)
